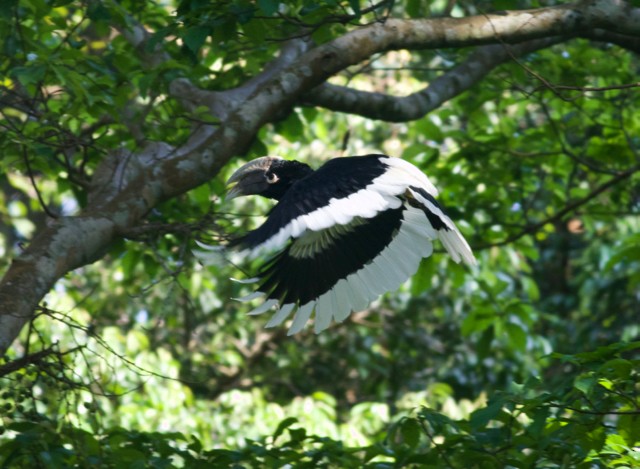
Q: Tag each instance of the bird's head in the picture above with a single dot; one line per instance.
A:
(268, 176)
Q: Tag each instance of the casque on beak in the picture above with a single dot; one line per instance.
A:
(250, 178)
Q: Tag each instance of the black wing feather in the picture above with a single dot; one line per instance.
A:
(436, 222)
(299, 280)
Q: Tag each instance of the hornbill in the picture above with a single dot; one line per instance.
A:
(340, 236)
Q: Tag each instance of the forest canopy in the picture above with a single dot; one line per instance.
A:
(122, 120)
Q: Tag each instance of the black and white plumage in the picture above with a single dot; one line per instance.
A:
(340, 236)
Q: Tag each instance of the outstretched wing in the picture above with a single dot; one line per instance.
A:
(341, 190)
(352, 231)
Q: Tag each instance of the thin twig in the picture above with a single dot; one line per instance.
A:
(587, 88)
(35, 187)
(431, 438)
(567, 209)
(594, 412)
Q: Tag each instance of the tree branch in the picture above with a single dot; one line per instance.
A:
(631, 43)
(452, 83)
(569, 208)
(416, 105)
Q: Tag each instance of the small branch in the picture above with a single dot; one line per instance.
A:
(35, 186)
(587, 88)
(331, 19)
(34, 358)
(431, 438)
(594, 412)
(567, 209)
(145, 230)
(565, 149)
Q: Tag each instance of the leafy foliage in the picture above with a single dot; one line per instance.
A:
(141, 359)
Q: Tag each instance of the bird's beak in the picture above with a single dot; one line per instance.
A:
(249, 178)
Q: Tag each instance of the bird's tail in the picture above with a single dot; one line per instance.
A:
(457, 246)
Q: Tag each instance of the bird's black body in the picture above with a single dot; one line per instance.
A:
(336, 179)
(340, 236)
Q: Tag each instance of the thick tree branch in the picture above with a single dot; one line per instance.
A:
(631, 43)
(222, 103)
(453, 83)
(416, 105)
(137, 182)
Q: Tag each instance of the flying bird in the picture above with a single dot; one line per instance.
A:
(339, 236)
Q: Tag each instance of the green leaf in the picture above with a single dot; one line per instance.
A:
(355, 6)
(606, 383)
(413, 8)
(629, 252)
(268, 7)
(436, 420)
(429, 129)
(242, 12)
(618, 368)
(297, 435)
(325, 33)
(8, 7)
(585, 383)
(484, 348)
(517, 336)
(195, 37)
(29, 75)
(479, 320)
(292, 128)
(282, 426)
(481, 417)
(411, 431)
(97, 11)
(629, 427)
(256, 30)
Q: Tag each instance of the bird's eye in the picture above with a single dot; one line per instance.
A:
(272, 178)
